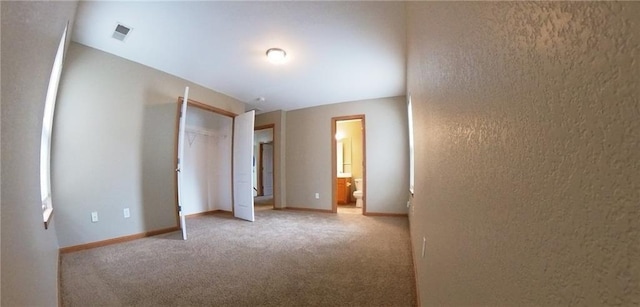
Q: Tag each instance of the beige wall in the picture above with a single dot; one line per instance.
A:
(114, 145)
(31, 32)
(308, 154)
(527, 152)
(278, 118)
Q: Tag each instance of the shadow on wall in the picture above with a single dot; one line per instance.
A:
(158, 169)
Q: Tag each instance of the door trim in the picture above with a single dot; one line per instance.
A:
(259, 183)
(334, 161)
(206, 107)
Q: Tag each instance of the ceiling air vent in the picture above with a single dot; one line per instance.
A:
(121, 32)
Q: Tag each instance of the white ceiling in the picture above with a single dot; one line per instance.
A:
(337, 51)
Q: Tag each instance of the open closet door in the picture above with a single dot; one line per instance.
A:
(181, 132)
(243, 166)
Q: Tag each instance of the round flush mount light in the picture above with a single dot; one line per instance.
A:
(276, 55)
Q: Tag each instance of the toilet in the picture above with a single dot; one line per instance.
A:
(357, 194)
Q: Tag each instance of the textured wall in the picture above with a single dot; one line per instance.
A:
(527, 122)
(31, 33)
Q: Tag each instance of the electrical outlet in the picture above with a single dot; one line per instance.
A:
(317, 195)
(127, 213)
(94, 217)
(424, 246)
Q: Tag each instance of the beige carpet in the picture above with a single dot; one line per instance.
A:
(349, 209)
(263, 202)
(284, 258)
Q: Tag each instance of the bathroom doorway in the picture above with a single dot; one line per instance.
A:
(348, 160)
(263, 176)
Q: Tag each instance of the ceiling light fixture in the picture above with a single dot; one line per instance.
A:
(276, 55)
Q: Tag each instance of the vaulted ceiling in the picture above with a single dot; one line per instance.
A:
(336, 51)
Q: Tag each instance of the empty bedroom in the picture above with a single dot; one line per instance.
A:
(319, 153)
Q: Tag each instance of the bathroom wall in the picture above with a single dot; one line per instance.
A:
(31, 33)
(352, 130)
(527, 138)
(278, 118)
(308, 154)
(114, 146)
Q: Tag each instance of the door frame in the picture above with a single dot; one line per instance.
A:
(259, 184)
(260, 176)
(205, 107)
(334, 161)
(273, 158)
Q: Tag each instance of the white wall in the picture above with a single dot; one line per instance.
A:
(263, 136)
(207, 162)
(195, 172)
(207, 172)
(527, 155)
(31, 33)
(114, 146)
(220, 166)
(308, 154)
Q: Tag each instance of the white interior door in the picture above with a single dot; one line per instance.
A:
(181, 134)
(243, 166)
(267, 169)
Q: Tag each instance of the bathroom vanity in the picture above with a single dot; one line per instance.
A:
(343, 190)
